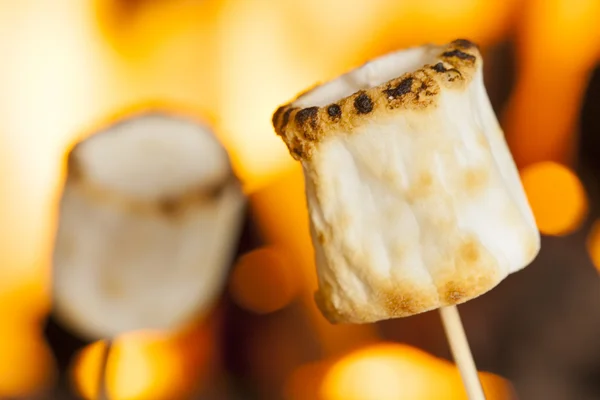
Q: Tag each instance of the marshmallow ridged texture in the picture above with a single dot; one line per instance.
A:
(149, 218)
(414, 199)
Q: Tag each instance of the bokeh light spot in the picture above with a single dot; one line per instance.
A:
(142, 366)
(556, 196)
(85, 373)
(388, 371)
(593, 244)
(264, 281)
(26, 364)
(380, 372)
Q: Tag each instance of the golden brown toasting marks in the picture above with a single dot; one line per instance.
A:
(414, 200)
(302, 128)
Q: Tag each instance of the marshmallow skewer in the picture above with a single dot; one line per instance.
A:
(149, 219)
(459, 346)
(414, 199)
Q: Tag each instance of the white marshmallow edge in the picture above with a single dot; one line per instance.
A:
(149, 219)
(416, 208)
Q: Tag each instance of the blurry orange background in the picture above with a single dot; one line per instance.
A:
(68, 66)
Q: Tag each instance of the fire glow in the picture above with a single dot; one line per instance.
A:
(70, 64)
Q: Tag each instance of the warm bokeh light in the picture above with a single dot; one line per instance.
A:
(305, 382)
(388, 371)
(148, 366)
(86, 374)
(282, 218)
(558, 45)
(139, 30)
(593, 244)
(264, 280)
(72, 64)
(139, 367)
(275, 67)
(26, 364)
(144, 367)
(556, 196)
(436, 21)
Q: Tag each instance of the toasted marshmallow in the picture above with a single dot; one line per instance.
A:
(149, 218)
(415, 202)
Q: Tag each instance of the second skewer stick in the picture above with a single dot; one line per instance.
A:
(102, 389)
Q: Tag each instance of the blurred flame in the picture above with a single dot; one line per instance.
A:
(556, 196)
(70, 64)
(86, 373)
(558, 45)
(146, 365)
(388, 371)
(141, 366)
(26, 364)
(438, 21)
(264, 280)
(139, 29)
(260, 70)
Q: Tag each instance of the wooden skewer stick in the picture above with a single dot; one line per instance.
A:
(102, 390)
(461, 352)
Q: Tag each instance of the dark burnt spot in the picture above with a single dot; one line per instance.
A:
(168, 207)
(297, 151)
(334, 111)
(454, 74)
(439, 67)
(363, 103)
(217, 190)
(459, 54)
(463, 43)
(296, 148)
(277, 115)
(308, 114)
(73, 166)
(424, 89)
(405, 86)
(286, 117)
